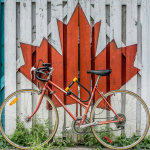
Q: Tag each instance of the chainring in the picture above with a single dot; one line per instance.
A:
(76, 126)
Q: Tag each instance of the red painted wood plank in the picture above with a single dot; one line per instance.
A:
(116, 66)
(100, 61)
(85, 54)
(72, 54)
(57, 64)
(130, 57)
(27, 54)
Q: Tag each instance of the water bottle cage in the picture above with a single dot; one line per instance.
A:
(70, 92)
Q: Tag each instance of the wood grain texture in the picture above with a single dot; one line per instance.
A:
(85, 54)
(145, 80)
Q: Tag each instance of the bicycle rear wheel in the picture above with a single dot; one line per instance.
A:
(124, 134)
(15, 127)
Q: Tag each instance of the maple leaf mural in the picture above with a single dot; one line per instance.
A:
(120, 60)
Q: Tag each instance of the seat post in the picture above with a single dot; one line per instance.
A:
(97, 80)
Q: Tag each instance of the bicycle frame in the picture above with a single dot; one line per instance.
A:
(86, 106)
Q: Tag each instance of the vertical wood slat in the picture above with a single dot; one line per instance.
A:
(10, 47)
(115, 35)
(25, 37)
(57, 57)
(85, 50)
(2, 84)
(131, 38)
(145, 70)
(10, 54)
(100, 42)
(139, 61)
(71, 53)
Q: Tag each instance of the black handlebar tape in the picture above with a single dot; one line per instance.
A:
(37, 71)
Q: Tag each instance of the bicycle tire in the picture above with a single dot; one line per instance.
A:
(130, 132)
(13, 119)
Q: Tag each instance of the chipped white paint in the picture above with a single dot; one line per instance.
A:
(71, 8)
(41, 21)
(131, 33)
(99, 15)
(10, 57)
(86, 6)
(145, 71)
(57, 13)
(115, 22)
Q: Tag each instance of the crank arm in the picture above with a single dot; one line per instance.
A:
(89, 124)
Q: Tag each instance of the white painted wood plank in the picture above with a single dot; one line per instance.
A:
(107, 2)
(10, 57)
(41, 21)
(131, 31)
(57, 13)
(99, 15)
(124, 2)
(145, 71)
(92, 1)
(71, 7)
(25, 37)
(25, 34)
(86, 6)
(10, 47)
(131, 34)
(131, 38)
(115, 22)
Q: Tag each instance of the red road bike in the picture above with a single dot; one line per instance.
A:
(119, 119)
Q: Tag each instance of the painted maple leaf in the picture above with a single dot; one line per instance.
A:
(120, 60)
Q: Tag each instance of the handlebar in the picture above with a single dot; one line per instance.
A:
(38, 71)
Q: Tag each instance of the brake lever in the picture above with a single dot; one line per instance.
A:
(32, 69)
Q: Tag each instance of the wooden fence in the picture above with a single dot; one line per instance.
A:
(76, 36)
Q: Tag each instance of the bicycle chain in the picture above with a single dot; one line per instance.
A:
(110, 131)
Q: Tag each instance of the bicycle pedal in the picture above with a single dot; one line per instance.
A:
(68, 128)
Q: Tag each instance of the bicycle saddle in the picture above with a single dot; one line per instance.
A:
(100, 72)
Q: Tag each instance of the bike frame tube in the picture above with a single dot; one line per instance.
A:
(39, 103)
(46, 86)
(107, 103)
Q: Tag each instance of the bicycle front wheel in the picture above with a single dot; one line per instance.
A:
(15, 126)
(123, 134)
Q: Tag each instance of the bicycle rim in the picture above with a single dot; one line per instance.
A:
(20, 132)
(124, 134)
